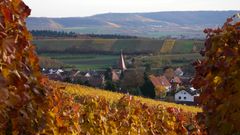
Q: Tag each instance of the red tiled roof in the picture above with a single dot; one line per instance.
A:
(177, 80)
(159, 81)
(162, 81)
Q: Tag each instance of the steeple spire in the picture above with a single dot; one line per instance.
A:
(122, 65)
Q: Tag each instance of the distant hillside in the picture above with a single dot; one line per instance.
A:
(185, 23)
(114, 46)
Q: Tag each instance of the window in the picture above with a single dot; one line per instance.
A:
(179, 98)
(184, 92)
(185, 98)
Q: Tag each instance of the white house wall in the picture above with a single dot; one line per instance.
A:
(184, 96)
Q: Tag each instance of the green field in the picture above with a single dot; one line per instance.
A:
(85, 61)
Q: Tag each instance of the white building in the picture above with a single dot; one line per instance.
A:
(185, 96)
(59, 71)
(88, 75)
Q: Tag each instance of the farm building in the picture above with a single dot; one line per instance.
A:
(186, 96)
(161, 83)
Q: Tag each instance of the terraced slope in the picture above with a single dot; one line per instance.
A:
(101, 112)
(110, 46)
(167, 46)
(113, 96)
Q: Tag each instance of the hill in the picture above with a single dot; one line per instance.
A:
(80, 90)
(102, 112)
(177, 23)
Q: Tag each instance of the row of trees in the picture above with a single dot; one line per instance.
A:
(52, 34)
(111, 36)
(63, 34)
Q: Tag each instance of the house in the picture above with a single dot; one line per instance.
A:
(51, 71)
(162, 81)
(90, 78)
(97, 81)
(56, 77)
(186, 96)
(87, 75)
(179, 72)
(59, 71)
(115, 76)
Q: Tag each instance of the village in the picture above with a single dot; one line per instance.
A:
(172, 85)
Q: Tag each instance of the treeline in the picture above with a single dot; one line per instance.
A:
(51, 34)
(62, 34)
(111, 36)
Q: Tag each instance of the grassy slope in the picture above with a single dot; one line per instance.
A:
(112, 96)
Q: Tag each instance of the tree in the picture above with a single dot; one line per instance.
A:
(147, 89)
(161, 92)
(108, 74)
(134, 91)
(218, 75)
(169, 72)
(148, 68)
(109, 85)
(132, 79)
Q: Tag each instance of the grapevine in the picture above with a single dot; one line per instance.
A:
(218, 78)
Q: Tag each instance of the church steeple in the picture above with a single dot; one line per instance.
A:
(121, 63)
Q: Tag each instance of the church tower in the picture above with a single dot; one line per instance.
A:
(121, 64)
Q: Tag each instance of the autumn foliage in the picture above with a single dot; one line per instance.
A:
(126, 114)
(218, 76)
(20, 89)
(27, 106)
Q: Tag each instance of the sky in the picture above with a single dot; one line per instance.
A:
(81, 8)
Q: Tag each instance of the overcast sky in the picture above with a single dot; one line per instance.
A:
(78, 8)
